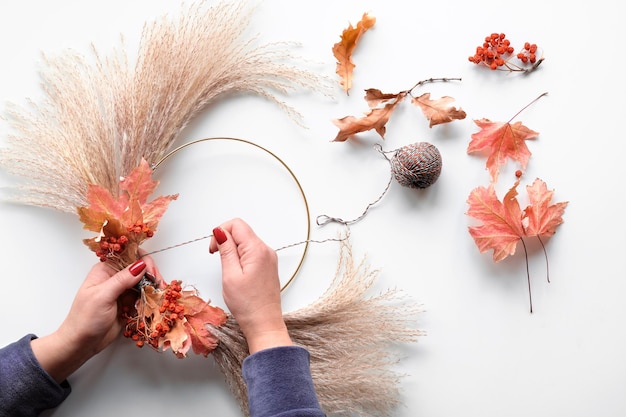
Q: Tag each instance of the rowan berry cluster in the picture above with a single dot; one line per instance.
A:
(142, 330)
(528, 54)
(496, 53)
(139, 228)
(111, 247)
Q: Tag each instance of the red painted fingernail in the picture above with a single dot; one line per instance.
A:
(137, 267)
(220, 236)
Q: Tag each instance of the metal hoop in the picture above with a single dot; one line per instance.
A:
(306, 241)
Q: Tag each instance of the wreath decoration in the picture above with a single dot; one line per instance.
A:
(89, 148)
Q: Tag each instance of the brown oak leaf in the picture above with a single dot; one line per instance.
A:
(376, 119)
(438, 111)
(343, 49)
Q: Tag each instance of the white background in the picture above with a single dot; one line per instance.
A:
(484, 353)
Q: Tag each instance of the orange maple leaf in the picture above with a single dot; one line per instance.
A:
(123, 221)
(504, 224)
(501, 140)
(438, 111)
(502, 221)
(540, 217)
(376, 119)
(343, 49)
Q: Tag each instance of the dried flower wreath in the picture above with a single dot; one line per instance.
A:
(90, 146)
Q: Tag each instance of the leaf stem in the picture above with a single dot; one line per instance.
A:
(530, 296)
(545, 254)
(431, 80)
(527, 106)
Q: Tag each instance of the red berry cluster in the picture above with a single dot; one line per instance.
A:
(528, 54)
(496, 53)
(139, 228)
(492, 51)
(111, 247)
(143, 331)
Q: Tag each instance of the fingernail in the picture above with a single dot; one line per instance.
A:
(220, 236)
(137, 267)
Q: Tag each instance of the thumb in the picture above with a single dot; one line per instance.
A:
(123, 280)
(229, 255)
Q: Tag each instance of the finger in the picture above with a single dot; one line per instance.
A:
(125, 279)
(235, 227)
(229, 252)
(99, 273)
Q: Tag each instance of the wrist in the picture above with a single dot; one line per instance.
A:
(60, 355)
(268, 339)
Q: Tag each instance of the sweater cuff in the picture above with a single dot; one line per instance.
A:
(279, 381)
(25, 383)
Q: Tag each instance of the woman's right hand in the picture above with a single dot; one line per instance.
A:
(250, 284)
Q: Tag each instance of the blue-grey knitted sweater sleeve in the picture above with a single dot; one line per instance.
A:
(279, 383)
(25, 388)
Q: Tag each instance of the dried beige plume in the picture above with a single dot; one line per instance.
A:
(99, 118)
(354, 340)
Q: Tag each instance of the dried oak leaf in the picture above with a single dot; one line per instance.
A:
(501, 140)
(189, 330)
(438, 111)
(504, 223)
(199, 314)
(376, 119)
(343, 49)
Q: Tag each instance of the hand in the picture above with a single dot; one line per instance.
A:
(250, 284)
(93, 321)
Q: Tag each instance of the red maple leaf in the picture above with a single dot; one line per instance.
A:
(502, 141)
(505, 224)
(540, 217)
(502, 221)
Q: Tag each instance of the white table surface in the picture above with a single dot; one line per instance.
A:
(484, 353)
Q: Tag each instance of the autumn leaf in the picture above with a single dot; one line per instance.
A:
(382, 105)
(123, 221)
(540, 217)
(177, 339)
(198, 315)
(438, 111)
(376, 98)
(169, 317)
(505, 224)
(502, 141)
(343, 49)
(139, 185)
(376, 119)
(502, 227)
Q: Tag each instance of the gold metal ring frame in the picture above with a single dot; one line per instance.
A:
(306, 241)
